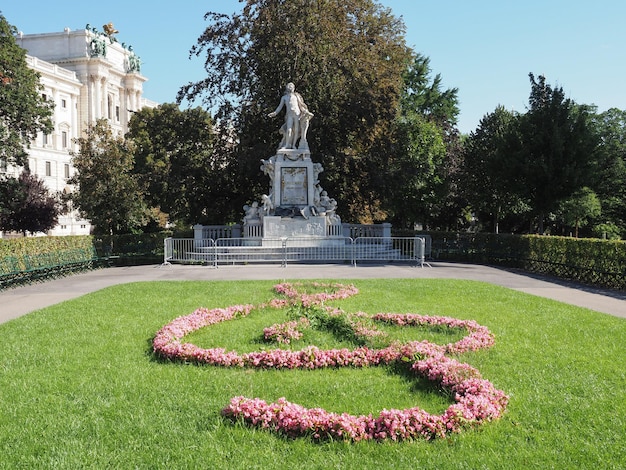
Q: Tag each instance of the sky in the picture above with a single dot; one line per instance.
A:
(485, 48)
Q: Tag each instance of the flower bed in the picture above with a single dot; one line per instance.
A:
(476, 399)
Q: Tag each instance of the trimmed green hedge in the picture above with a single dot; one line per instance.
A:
(38, 245)
(24, 260)
(590, 261)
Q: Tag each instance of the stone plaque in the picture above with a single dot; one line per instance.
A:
(294, 186)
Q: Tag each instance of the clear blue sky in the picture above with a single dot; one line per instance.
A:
(485, 48)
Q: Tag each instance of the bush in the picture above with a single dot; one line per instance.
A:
(591, 261)
(25, 260)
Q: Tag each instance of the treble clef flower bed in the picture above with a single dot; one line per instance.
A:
(476, 400)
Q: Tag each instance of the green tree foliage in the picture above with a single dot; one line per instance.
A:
(345, 57)
(176, 166)
(427, 98)
(552, 148)
(610, 181)
(580, 209)
(413, 170)
(23, 110)
(422, 160)
(487, 185)
(26, 205)
(108, 194)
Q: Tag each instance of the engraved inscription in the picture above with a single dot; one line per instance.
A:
(293, 185)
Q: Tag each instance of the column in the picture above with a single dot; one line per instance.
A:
(94, 97)
(103, 97)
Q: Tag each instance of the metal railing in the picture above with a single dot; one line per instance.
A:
(295, 250)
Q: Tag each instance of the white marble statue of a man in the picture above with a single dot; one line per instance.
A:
(297, 117)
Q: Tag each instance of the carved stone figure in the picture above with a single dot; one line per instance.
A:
(297, 118)
(329, 204)
(267, 167)
(317, 194)
(252, 213)
(268, 205)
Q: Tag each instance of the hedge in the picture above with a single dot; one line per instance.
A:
(25, 260)
(595, 262)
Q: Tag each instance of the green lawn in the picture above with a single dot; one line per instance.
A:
(80, 387)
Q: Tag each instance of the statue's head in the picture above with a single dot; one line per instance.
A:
(290, 87)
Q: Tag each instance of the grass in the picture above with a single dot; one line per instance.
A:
(79, 387)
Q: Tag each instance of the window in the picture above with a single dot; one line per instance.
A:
(66, 171)
(64, 139)
(44, 139)
(3, 165)
(48, 168)
(117, 114)
(63, 103)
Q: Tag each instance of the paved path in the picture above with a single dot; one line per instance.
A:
(22, 300)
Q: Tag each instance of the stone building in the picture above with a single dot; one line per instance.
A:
(88, 75)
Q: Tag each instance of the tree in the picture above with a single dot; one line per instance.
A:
(552, 146)
(420, 150)
(176, 166)
(26, 205)
(427, 98)
(24, 111)
(108, 194)
(610, 181)
(423, 141)
(580, 209)
(345, 57)
(487, 185)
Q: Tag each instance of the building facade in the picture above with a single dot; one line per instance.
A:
(88, 76)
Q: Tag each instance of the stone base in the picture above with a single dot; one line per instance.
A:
(299, 231)
(288, 227)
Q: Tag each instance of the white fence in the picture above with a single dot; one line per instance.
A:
(296, 250)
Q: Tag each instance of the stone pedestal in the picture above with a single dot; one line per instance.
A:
(296, 206)
(300, 232)
(291, 227)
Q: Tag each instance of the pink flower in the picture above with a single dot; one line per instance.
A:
(476, 399)
(285, 332)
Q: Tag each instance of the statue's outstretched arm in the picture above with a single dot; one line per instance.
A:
(277, 110)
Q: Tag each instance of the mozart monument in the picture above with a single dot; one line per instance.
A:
(295, 205)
